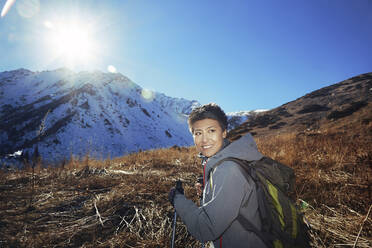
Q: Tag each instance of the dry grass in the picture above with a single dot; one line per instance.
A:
(123, 202)
(90, 203)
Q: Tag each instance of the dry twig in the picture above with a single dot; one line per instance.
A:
(360, 230)
(98, 214)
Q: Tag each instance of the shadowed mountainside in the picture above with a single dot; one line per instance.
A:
(339, 106)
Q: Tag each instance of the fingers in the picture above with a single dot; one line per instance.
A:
(198, 188)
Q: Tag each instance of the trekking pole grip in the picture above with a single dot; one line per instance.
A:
(179, 185)
(179, 188)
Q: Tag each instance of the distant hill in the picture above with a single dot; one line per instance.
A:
(342, 106)
(100, 114)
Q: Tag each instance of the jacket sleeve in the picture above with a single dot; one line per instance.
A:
(209, 221)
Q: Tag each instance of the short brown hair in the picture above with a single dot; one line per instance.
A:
(208, 111)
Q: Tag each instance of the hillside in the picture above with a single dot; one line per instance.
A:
(123, 202)
(340, 106)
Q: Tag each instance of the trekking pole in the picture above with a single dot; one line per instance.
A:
(174, 227)
(178, 186)
(202, 243)
(201, 201)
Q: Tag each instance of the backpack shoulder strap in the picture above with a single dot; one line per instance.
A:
(240, 162)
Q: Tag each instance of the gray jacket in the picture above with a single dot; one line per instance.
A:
(226, 194)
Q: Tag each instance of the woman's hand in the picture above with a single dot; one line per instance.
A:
(199, 191)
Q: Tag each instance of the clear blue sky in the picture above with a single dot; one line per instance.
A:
(243, 55)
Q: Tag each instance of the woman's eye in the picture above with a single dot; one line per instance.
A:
(197, 133)
(212, 130)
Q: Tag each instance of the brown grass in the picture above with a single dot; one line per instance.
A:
(122, 202)
(90, 203)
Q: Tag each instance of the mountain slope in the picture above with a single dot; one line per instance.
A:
(340, 106)
(100, 114)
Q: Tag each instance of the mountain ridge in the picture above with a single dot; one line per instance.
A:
(338, 106)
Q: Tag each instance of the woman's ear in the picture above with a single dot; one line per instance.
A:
(224, 134)
(191, 130)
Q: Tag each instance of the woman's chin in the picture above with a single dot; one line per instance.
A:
(208, 153)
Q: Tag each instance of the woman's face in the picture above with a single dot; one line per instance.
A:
(208, 136)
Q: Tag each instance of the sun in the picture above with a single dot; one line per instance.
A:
(71, 42)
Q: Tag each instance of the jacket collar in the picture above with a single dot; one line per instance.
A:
(244, 148)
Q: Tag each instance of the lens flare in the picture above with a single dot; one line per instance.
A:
(48, 24)
(12, 37)
(28, 8)
(111, 69)
(7, 7)
(148, 95)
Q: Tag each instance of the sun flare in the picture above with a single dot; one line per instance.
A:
(71, 42)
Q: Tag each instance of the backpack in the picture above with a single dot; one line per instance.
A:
(282, 222)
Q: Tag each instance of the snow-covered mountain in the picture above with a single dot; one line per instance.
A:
(235, 119)
(95, 113)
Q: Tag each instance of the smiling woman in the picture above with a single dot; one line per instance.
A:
(71, 42)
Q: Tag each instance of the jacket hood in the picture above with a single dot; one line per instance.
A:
(244, 148)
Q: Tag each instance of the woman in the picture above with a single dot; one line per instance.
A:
(227, 193)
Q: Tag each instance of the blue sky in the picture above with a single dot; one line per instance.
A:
(243, 55)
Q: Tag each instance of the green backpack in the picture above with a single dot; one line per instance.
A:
(282, 222)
